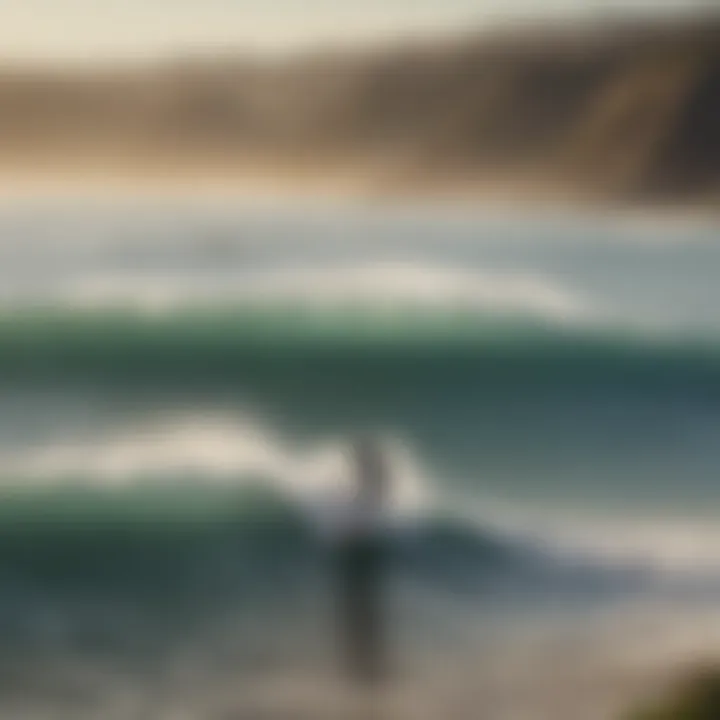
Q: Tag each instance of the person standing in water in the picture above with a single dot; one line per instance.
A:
(360, 564)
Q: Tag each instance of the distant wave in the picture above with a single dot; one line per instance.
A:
(378, 287)
(261, 343)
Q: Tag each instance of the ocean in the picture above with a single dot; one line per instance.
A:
(179, 382)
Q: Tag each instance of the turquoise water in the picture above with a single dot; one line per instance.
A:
(178, 383)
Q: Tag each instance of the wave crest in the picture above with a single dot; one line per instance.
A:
(384, 287)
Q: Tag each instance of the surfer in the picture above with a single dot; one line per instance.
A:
(360, 560)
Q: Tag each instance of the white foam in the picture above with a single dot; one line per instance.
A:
(663, 543)
(383, 286)
(212, 449)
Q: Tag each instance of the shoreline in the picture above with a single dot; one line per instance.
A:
(338, 188)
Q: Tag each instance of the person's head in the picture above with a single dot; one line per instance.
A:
(370, 464)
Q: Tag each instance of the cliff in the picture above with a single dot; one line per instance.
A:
(629, 113)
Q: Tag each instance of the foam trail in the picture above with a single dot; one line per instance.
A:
(665, 544)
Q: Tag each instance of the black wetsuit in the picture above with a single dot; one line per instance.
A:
(360, 566)
(361, 557)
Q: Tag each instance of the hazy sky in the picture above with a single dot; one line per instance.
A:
(82, 29)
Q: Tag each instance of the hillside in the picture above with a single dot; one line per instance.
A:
(628, 113)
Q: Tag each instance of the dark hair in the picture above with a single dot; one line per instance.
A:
(370, 463)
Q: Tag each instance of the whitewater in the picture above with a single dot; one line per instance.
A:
(178, 384)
